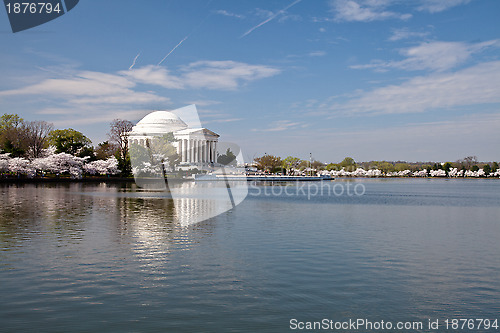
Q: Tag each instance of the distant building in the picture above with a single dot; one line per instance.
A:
(195, 146)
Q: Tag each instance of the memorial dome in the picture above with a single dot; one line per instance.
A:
(158, 123)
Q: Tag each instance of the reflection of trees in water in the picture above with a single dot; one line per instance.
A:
(98, 215)
(31, 209)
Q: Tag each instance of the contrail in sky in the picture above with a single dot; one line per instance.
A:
(133, 63)
(176, 46)
(272, 17)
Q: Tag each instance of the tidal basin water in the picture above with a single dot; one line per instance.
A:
(109, 258)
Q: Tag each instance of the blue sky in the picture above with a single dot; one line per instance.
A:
(371, 79)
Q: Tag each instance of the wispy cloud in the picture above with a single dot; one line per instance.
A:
(222, 120)
(435, 6)
(377, 10)
(229, 14)
(122, 87)
(474, 85)
(437, 56)
(278, 126)
(364, 10)
(317, 54)
(154, 75)
(271, 17)
(70, 96)
(223, 75)
(88, 87)
(204, 102)
(405, 33)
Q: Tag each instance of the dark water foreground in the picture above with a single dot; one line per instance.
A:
(405, 250)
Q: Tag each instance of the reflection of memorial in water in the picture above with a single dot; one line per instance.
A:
(199, 201)
(150, 222)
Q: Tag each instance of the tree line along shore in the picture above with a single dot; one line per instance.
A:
(34, 149)
(348, 167)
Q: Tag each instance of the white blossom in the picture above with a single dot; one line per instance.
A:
(21, 165)
(374, 173)
(438, 173)
(421, 173)
(102, 167)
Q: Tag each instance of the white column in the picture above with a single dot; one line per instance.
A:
(215, 151)
(196, 150)
(184, 150)
(206, 152)
(193, 147)
(199, 151)
(203, 151)
(190, 149)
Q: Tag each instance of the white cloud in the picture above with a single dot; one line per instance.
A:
(87, 97)
(88, 87)
(223, 75)
(229, 14)
(87, 116)
(317, 54)
(222, 120)
(474, 85)
(435, 6)
(204, 102)
(364, 10)
(154, 75)
(436, 56)
(278, 126)
(405, 33)
(120, 88)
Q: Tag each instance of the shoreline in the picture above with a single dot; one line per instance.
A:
(182, 180)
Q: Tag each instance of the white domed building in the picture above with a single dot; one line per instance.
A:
(195, 146)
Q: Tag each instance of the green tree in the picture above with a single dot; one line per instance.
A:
(348, 163)
(163, 150)
(9, 121)
(12, 135)
(318, 165)
(227, 159)
(105, 150)
(487, 169)
(447, 166)
(290, 163)
(475, 168)
(68, 141)
(401, 166)
(268, 162)
(494, 168)
(332, 166)
(385, 167)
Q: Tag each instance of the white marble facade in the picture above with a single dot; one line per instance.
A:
(195, 146)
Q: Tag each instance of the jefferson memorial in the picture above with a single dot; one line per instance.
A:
(195, 146)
